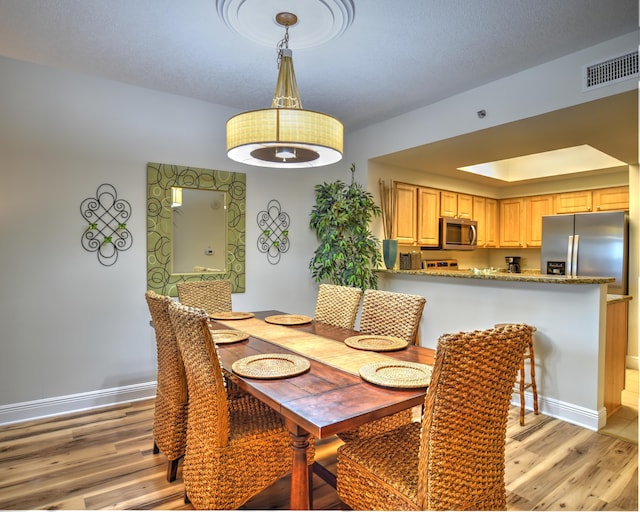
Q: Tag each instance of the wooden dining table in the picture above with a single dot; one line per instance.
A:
(330, 397)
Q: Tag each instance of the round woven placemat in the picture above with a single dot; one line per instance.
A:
(231, 315)
(397, 374)
(222, 336)
(288, 319)
(271, 366)
(376, 343)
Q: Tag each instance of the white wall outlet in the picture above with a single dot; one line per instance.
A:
(208, 251)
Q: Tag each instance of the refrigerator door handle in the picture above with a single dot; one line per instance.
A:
(569, 270)
(574, 263)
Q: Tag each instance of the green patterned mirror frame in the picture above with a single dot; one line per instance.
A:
(160, 179)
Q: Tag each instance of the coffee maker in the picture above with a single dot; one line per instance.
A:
(513, 264)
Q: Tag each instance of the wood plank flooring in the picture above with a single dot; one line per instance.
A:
(103, 459)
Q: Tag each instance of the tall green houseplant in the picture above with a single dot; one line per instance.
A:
(348, 252)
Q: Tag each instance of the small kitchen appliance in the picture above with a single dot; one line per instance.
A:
(458, 234)
(513, 264)
(440, 264)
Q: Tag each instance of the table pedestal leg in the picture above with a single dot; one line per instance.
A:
(300, 496)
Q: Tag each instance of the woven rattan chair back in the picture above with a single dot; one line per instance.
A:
(214, 296)
(337, 305)
(462, 450)
(388, 314)
(454, 459)
(235, 448)
(170, 415)
(391, 314)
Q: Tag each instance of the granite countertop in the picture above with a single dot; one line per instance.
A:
(500, 275)
(613, 298)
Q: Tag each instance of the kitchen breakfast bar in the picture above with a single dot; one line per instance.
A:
(578, 360)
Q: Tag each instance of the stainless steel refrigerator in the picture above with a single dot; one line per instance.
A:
(587, 244)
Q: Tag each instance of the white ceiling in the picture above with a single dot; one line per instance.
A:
(395, 57)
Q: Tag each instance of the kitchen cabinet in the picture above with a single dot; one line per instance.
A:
(615, 355)
(535, 208)
(573, 202)
(465, 206)
(428, 217)
(405, 218)
(512, 218)
(456, 205)
(491, 222)
(613, 198)
(485, 212)
(479, 215)
(448, 204)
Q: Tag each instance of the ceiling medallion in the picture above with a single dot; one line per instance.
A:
(319, 21)
(285, 135)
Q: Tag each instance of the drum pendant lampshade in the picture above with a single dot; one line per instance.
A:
(285, 135)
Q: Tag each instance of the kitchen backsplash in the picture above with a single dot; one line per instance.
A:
(482, 258)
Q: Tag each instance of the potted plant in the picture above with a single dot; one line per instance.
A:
(389, 243)
(348, 252)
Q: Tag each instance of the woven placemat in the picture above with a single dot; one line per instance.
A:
(231, 315)
(397, 374)
(288, 319)
(376, 343)
(271, 366)
(222, 336)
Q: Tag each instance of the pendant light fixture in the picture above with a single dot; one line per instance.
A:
(285, 135)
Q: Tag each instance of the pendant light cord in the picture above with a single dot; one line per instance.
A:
(283, 44)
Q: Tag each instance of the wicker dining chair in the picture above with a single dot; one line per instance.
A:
(214, 295)
(455, 458)
(337, 305)
(170, 414)
(392, 314)
(235, 448)
(388, 314)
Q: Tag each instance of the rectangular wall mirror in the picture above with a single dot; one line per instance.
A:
(199, 241)
(195, 226)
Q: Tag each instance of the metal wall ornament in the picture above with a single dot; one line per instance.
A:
(274, 237)
(107, 233)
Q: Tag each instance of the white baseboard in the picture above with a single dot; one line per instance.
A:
(54, 406)
(587, 418)
(632, 362)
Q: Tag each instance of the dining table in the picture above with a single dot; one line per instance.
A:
(327, 398)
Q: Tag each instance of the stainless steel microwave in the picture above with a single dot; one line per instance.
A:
(458, 234)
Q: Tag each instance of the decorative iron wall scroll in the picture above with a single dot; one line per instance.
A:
(107, 233)
(274, 238)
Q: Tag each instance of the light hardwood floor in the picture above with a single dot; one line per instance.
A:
(103, 459)
(624, 422)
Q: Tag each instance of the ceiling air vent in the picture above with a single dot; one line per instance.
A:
(610, 71)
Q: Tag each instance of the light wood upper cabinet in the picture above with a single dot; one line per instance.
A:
(465, 206)
(573, 202)
(428, 217)
(614, 198)
(491, 222)
(456, 205)
(535, 208)
(485, 212)
(512, 218)
(479, 215)
(405, 218)
(448, 204)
